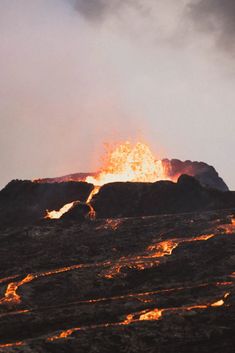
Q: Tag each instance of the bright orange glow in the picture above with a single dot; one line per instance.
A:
(204, 237)
(15, 344)
(11, 295)
(128, 162)
(164, 248)
(230, 227)
(221, 301)
(93, 193)
(59, 214)
(151, 315)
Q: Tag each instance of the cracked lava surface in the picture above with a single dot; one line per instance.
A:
(161, 280)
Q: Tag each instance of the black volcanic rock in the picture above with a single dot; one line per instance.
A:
(26, 201)
(141, 199)
(79, 212)
(65, 178)
(80, 285)
(204, 173)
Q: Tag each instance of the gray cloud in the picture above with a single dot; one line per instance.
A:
(216, 17)
(143, 75)
(92, 9)
(97, 10)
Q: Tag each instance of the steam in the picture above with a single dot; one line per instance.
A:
(217, 18)
(78, 73)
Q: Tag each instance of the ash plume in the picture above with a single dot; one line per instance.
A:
(97, 10)
(216, 17)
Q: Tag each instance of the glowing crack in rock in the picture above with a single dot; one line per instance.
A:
(11, 295)
(229, 228)
(15, 344)
(141, 262)
(153, 252)
(144, 315)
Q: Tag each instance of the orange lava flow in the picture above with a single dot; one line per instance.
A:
(230, 227)
(163, 249)
(127, 162)
(145, 315)
(15, 344)
(93, 193)
(141, 262)
(11, 295)
(155, 251)
(58, 214)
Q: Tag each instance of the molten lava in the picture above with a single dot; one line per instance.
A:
(130, 163)
(58, 214)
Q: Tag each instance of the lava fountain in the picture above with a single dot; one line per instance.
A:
(127, 162)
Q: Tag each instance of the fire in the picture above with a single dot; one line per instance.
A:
(130, 163)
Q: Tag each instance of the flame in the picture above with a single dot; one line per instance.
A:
(127, 162)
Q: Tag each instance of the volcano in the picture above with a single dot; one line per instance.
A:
(138, 257)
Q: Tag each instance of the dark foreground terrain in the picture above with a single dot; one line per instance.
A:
(164, 283)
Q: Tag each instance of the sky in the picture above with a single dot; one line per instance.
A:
(76, 74)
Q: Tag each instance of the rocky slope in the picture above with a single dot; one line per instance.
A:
(148, 284)
(23, 201)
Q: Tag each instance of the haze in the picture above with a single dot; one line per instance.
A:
(78, 73)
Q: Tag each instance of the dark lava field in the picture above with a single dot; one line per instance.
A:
(161, 283)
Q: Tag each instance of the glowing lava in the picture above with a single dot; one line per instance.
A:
(145, 315)
(58, 214)
(230, 227)
(127, 162)
(11, 295)
(130, 163)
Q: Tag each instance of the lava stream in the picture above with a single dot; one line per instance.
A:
(93, 193)
(158, 250)
(11, 295)
(58, 214)
(144, 315)
(142, 262)
(142, 296)
(15, 344)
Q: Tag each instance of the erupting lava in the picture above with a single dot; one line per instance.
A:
(130, 163)
(125, 163)
(58, 214)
